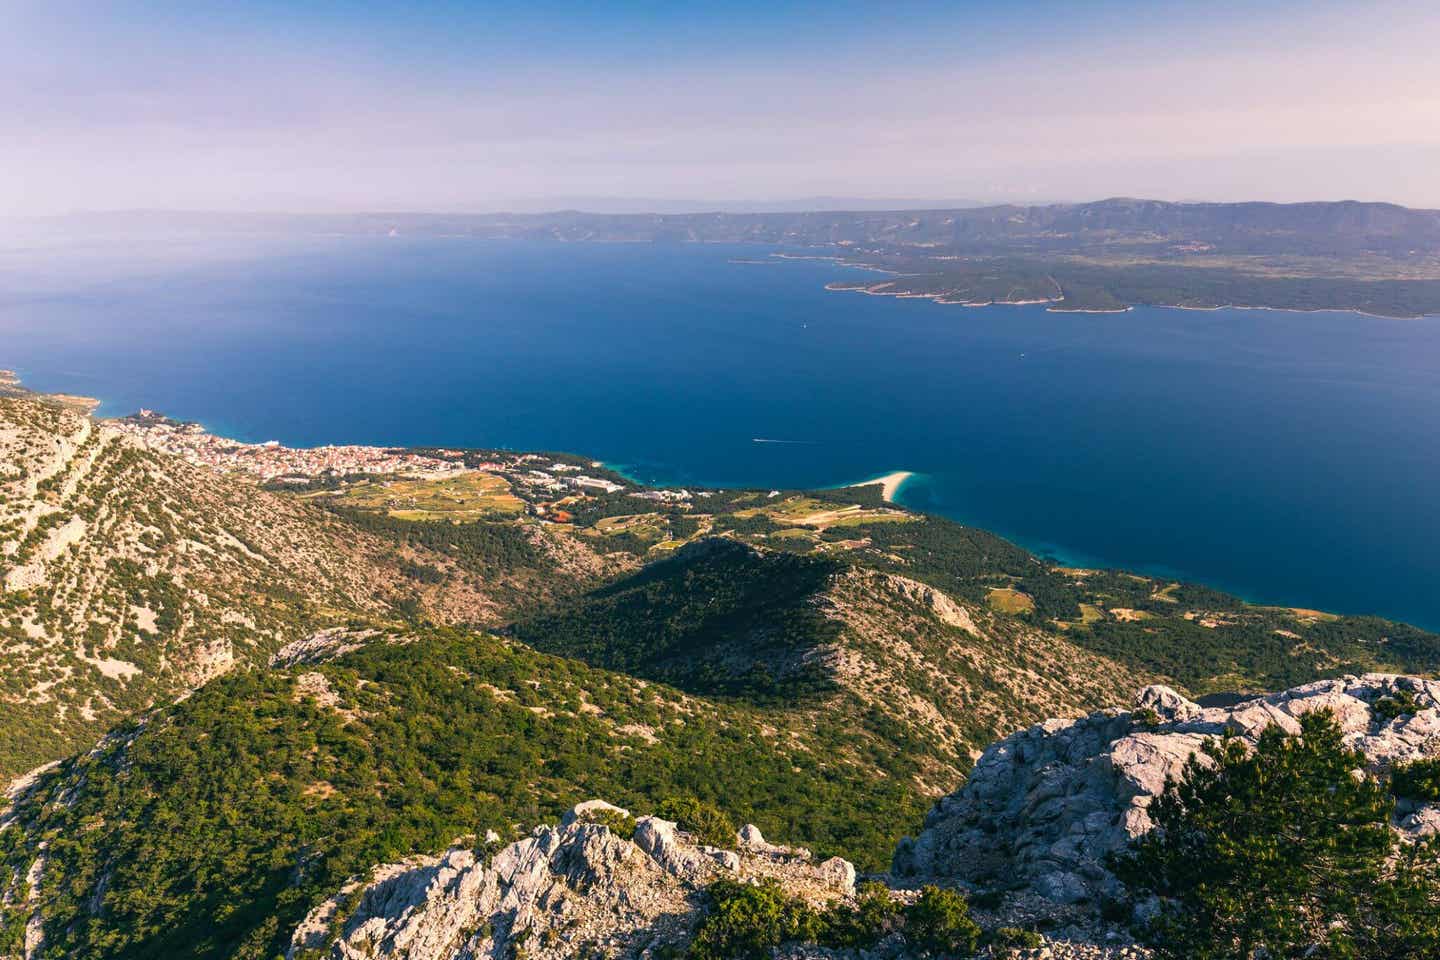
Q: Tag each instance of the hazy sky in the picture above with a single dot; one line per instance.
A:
(314, 105)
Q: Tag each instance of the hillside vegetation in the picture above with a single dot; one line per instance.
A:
(820, 663)
(211, 829)
(128, 576)
(892, 663)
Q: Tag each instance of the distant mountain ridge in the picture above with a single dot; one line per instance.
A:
(1342, 226)
(1105, 256)
(1334, 228)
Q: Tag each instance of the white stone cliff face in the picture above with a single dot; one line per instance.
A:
(564, 890)
(1047, 804)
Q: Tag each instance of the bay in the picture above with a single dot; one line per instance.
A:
(1290, 458)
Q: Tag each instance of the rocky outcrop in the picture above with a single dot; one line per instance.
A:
(330, 643)
(574, 889)
(1047, 804)
(947, 610)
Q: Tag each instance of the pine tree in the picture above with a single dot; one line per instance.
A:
(1284, 851)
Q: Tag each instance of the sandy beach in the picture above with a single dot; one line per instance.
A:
(890, 484)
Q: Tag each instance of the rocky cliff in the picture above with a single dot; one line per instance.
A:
(1031, 829)
(600, 883)
(1046, 805)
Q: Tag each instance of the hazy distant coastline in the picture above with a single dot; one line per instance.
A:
(1375, 259)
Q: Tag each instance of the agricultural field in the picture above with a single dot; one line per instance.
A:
(472, 495)
(806, 511)
(1009, 600)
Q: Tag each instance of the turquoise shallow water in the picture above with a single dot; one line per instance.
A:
(1291, 458)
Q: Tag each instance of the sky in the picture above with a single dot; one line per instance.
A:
(474, 107)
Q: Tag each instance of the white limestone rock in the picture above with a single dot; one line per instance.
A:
(574, 889)
(587, 809)
(1048, 803)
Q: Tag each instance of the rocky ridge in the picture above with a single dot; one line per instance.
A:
(1040, 812)
(952, 671)
(580, 887)
(1044, 806)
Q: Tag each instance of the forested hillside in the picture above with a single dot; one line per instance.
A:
(211, 829)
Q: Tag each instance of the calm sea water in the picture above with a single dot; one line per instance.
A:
(1289, 458)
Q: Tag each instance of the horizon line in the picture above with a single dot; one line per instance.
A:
(738, 211)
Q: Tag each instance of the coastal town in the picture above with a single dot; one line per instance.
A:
(271, 460)
(539, 480)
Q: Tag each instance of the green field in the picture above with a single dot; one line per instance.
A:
(1009, 600)
(468, 496)
(820, 514)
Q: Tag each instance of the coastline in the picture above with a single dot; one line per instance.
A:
(890, 483)
(11, 382)
(1354, 310)
(940, 298)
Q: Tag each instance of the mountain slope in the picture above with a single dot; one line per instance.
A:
(896, 662)
(129, 576)
(212, 827)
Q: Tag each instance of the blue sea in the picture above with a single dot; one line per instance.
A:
(1289, 458)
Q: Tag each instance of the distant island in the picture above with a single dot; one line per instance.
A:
(1372, 258)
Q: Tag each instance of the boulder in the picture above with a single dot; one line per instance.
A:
(586, 810)
(661, 840)
(751, 840)
(1167, 703)
(840, 873)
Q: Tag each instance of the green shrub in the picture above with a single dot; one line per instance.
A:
(873, 916)
(939, 924)
(1146, 717)
(705, 820)
(620, 824)
(1418, 780)
(1398, 704)
(1282, 851)
(746, 921)
(1007, 939)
